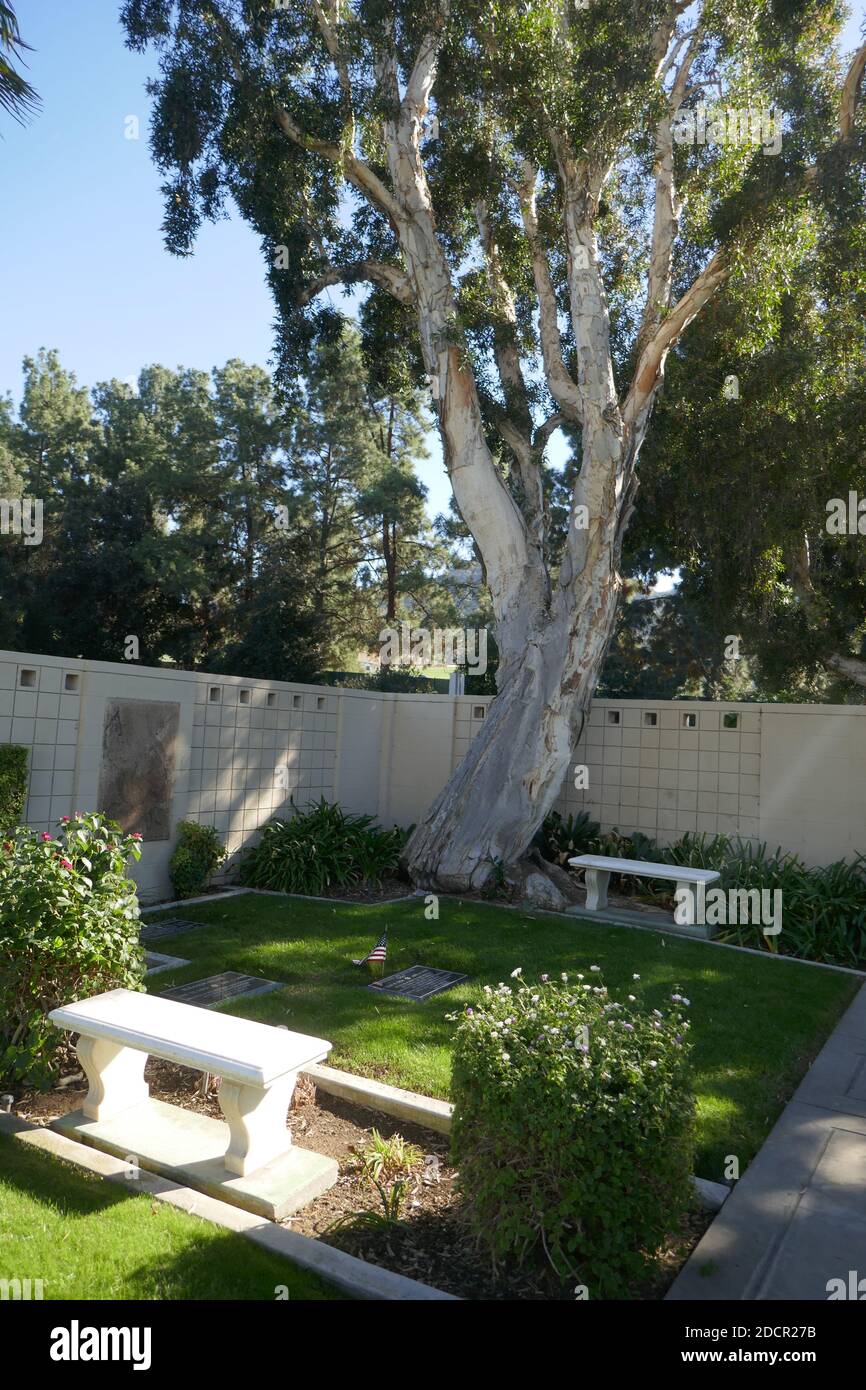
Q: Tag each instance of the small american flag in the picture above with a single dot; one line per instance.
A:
(378, 952)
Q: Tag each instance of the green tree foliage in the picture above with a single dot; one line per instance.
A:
(13, 785)
(218, 524)
(749, 531)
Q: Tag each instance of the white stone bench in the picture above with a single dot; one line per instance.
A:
(599, 867)
(258, 1064)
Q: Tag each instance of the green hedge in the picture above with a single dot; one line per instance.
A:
(573, 1128)
(197, 856)
(13, 785)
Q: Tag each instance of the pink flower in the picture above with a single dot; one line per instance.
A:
(136, 836)
(45, 835)
(64, 820)
(65, 864)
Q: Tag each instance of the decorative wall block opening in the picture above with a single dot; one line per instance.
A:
(244, 697)
(27, 679)
(320, 702)
(215, 694)
(271, 699)
(478, 711)
(650, 719)
(613, 716)
(730, 721)
(690, 721)
(296, 702)
(72, 683)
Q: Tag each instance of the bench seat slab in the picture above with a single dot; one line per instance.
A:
(239, 1049)
(644, 868)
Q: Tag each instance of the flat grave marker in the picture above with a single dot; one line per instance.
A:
(172, 926)
(419, 982)
(216, 989)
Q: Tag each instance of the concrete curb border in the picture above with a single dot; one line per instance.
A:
(343, 1271)
(192, 902)
(270, 893)
(335, 902)
(378, 1095)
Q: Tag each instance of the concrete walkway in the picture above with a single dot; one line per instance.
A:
(797, 1217)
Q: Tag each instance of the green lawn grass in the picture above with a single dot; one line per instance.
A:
(756, 1023)
(87, 1238)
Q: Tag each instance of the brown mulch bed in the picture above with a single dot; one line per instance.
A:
(432, 1240)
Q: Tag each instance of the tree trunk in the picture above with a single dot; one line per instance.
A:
(486, 815)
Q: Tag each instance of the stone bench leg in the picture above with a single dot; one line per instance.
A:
(596, 888)
(116, 1077)
(257, 1122)
(690, 898)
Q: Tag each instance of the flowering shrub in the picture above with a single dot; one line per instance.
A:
(573, 1126)
(68, 929)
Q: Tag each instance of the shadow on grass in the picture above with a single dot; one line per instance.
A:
(90, 1238)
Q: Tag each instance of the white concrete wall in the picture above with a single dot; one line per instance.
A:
(229, 746)
(793, 775)
(650, 770)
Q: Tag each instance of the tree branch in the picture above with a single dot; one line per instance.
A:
(650, 363)
(423, 73)
(357, 171)
(666, 215)
(387, 277)
(546, 429)
(849, 666)
(516, 424)
(328, 24)
(851, 93)
(561, 384)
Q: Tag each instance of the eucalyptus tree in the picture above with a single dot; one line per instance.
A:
(533, 189)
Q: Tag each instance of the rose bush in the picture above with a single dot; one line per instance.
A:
(68, 929)
(573, 1126)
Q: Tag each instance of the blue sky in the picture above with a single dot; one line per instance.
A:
(85, 268)
(81, 229)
